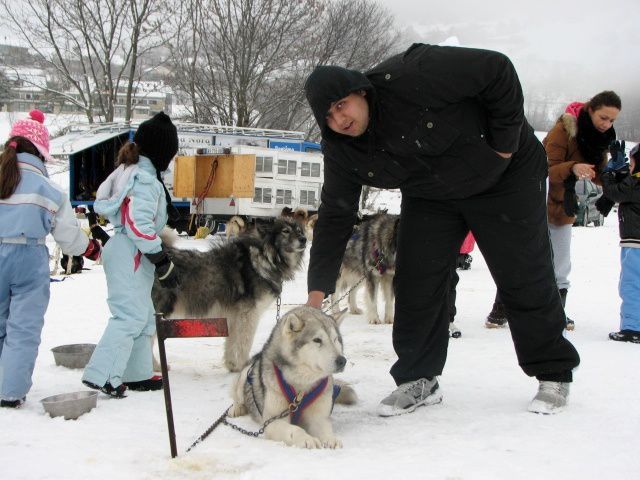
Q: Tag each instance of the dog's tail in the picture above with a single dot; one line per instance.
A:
(169, 237)
(347, 395)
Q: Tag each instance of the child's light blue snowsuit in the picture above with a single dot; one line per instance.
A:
(134, 202)
(37, 207)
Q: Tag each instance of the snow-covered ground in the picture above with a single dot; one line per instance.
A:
(481, 430)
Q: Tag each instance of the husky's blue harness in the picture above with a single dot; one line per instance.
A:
(291, 395)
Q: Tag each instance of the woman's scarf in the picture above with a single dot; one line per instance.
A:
(592, 143)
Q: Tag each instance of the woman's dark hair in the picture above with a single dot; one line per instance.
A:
(607, 98)
(128, 154)
(9, 171)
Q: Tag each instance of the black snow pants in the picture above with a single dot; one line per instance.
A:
(509, 222)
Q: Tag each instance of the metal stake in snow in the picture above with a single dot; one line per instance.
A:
(182, 328)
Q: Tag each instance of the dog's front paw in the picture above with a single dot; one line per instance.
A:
(388, 319)
(304, 440)
(237, 410)
(355, 311)
(232, 365)
(331, 442)
(347, 395)
(374, 320)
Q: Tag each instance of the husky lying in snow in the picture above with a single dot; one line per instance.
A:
(238, 280)
(299, 358)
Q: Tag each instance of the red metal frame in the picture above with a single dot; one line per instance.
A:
(182, 328)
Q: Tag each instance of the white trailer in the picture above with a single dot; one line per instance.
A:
(289, 170)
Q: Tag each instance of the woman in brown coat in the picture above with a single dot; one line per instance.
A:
(576, 149)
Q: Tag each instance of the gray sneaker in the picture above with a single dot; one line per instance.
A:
(551, 398)
(409, 396)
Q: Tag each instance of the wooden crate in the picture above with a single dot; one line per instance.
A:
(234, 176)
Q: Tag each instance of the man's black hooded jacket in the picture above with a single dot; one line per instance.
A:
(437, 117)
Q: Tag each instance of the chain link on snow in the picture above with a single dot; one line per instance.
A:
(293, 406)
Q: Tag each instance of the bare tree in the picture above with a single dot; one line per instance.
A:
(186, 51)
(226, 58)
(355, 34)
(5, 89)
(244, 63)
(92, 45)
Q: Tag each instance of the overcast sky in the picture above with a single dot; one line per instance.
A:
(584, 45)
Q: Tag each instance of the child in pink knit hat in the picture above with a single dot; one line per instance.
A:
(31, 208)
(33, 129)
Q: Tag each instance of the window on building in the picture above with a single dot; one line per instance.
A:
(264, 164)
(309, 169)
(283, 197)
(262, 195)
(287, 167)
(308, 197)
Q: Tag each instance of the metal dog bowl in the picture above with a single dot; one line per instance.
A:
(70, 405)
(73, 356)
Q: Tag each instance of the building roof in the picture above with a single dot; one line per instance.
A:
(78, 140)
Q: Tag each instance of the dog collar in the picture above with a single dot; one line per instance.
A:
(291, 395)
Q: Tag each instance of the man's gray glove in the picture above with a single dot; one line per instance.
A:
(165, 269)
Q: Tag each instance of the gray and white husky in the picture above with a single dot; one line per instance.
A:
(370, 253)
(238, 280)
(297, 362)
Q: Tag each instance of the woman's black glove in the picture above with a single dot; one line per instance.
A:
(165, 269)
(570, 200)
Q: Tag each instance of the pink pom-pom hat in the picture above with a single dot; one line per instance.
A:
(33, 129)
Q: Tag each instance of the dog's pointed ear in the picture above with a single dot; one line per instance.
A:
(340, 316)
(295, 323)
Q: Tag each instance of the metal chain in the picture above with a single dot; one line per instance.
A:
(293, 406)
(376, 265)
(278, 303)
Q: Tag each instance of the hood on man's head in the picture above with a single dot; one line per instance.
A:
(157, 138)
(327, 84)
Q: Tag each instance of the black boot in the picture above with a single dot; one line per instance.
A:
(563, 298)
(13, 403)
(625, 336)
(153, 383)
(464, 261)
(497, 318)
(115, 392)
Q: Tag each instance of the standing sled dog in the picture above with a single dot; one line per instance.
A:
(238, 280)
(297, 363)
(370, 253)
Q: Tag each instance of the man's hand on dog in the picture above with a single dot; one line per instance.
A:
(315, 299)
